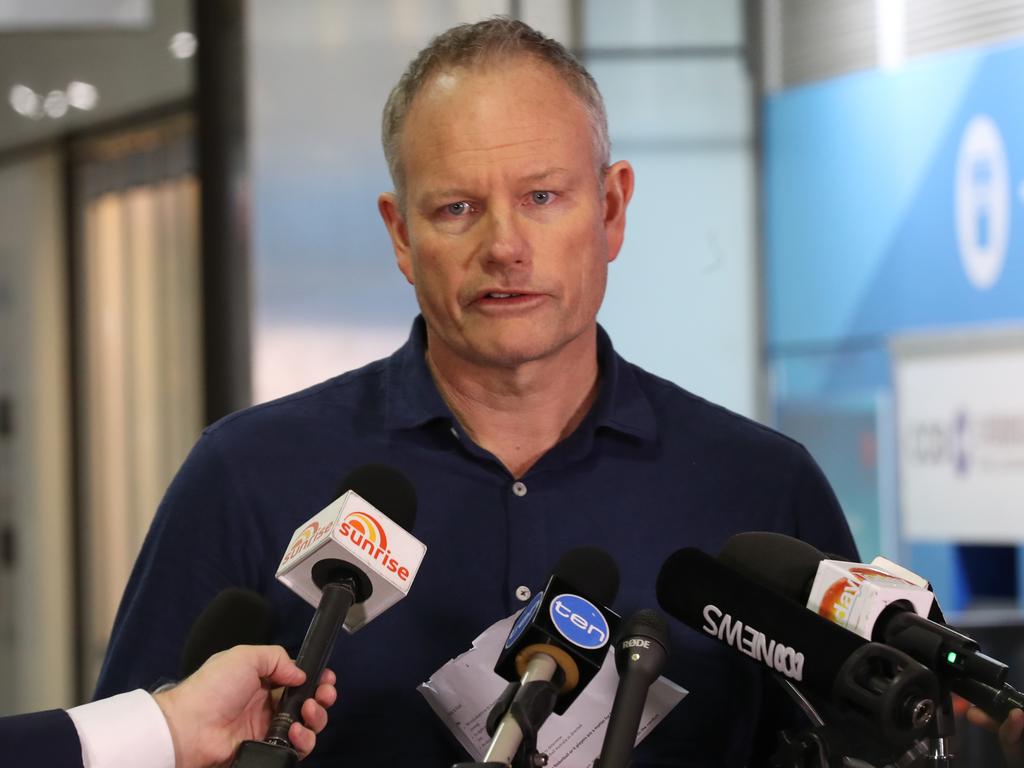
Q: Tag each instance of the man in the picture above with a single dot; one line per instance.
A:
(198, 723)
(523, 431)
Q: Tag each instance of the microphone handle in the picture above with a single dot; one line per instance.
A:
(335, 600)
(995, 702)
(508, 735)
(624, 721)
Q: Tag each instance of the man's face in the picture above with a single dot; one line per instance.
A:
(507, 231)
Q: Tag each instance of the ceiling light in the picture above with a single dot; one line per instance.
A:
(890, 33)
(55, 104)
(82, 95)
(182, 45)
(26, 102)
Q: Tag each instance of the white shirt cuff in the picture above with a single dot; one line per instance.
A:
(124, 731)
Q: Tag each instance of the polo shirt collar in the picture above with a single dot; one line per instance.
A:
(412, 398)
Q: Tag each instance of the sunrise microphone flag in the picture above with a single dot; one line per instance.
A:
(352, 562)
(353, 538)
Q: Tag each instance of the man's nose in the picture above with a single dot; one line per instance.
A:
(506, 244)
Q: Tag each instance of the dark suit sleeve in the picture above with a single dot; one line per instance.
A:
(43, 738)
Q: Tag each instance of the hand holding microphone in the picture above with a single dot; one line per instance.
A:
(229, 698)
(352, 563)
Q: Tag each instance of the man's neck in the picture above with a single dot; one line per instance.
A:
(519, 413)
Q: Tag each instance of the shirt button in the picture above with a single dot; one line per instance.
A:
(519, 488)
(523, 593)
(454, 433)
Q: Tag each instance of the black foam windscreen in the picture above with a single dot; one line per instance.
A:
(772, 629)
(646, 623)
(779, 562)
(592, 571)
(387, 489)
(234, 617)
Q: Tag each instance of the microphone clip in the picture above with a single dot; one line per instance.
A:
(529, 705)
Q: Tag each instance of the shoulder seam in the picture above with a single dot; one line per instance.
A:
(341, 380)
(675, 388)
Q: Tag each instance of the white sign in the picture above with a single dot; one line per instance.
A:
(960, 427)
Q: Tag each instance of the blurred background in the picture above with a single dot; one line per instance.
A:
(827, 236)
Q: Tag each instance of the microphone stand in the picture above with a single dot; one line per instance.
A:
(902, 702)
(940, 739)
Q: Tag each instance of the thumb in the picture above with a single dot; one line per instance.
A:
(272, 663)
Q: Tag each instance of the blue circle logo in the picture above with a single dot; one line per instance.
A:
(579, 621)
(524, 619)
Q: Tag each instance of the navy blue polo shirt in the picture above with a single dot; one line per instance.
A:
(651, 468)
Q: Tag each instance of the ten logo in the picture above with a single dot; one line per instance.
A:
(579, 621)
(524, 619)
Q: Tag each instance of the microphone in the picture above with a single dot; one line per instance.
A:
(878, 683)
(555, 648)
(640, 655)
(352, 539)
(234, 617)
(351, 562)
(857, 596)
(801, 572)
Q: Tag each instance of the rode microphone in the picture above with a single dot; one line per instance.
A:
(801, 572)
(351, 562)
(640, 655)
(555, 648)
(234, 617)
(883, 685)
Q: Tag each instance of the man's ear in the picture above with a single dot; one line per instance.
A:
(618, 189)
(390, 211)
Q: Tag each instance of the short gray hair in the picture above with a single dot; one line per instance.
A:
(484, 42)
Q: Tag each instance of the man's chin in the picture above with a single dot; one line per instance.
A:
(513, 353)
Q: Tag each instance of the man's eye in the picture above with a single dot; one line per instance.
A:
(541, 198)
(457, 209)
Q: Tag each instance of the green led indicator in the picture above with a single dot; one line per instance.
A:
(951, 658)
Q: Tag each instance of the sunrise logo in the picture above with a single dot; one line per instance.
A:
(307, 537)
(368, 535)
(368, 528)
